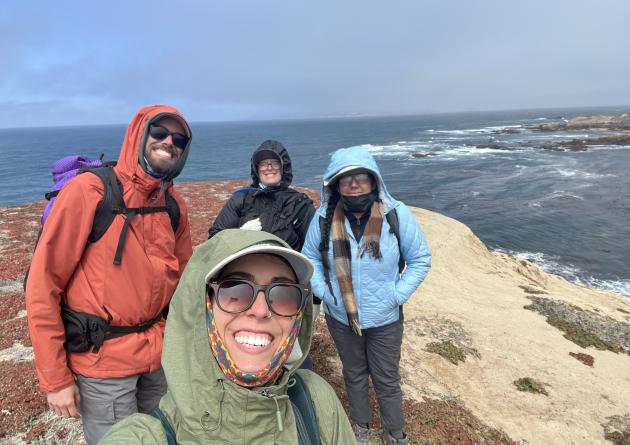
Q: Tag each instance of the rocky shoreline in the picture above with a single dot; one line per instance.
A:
(615, 122)
(617, 127)
(495, 350)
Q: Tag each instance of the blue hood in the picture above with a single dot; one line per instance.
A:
(357, 157)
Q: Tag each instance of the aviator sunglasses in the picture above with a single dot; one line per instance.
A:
(160, 133)
(236, 295)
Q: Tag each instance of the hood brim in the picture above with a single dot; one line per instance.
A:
(299, 263)
(344, 170)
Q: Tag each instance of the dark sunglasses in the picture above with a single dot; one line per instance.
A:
(235, 296)
(160, 133)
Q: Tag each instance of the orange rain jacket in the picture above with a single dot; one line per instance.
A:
(65, 267)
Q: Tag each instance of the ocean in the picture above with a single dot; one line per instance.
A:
(566, 211)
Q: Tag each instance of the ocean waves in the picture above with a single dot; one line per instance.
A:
(554, 265)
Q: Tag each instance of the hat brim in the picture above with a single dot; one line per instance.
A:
(300, 264)
(336, 176)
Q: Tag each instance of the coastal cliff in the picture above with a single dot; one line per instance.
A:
(511, 321)
(495, 350)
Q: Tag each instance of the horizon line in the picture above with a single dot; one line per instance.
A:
(342, 116)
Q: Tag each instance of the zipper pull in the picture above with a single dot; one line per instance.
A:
(278, 415)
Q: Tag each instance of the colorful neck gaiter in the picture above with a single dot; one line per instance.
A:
(269, 374)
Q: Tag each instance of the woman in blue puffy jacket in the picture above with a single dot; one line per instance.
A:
(359, 260)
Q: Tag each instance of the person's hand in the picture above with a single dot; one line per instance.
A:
(65, 401)
(254, 224)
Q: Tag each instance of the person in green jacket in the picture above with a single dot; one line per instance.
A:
(238, 329)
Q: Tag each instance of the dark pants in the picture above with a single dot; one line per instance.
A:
(376, 354)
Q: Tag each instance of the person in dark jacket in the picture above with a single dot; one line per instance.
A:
(269, 203)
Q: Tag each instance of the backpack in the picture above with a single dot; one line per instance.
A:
(303, 411)
(65, 169)
(394, 227)
(85, 330)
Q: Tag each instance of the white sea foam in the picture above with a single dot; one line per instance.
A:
(471, 150)
(582, 174)
(556, 194)
(551, 264)
(401, 149)
(483, 130)
(569, 136)
(607, 147)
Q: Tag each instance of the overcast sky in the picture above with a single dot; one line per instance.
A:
(84, 62)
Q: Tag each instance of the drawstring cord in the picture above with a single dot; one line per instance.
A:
(163, 187)
(203, 420)
(272, 396)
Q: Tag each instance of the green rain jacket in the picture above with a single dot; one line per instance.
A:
(203, 406)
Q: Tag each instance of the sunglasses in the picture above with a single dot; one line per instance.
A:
(235, 296)
(160, 133)
(360, 178)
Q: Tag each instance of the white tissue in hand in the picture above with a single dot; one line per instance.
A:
(254, 224)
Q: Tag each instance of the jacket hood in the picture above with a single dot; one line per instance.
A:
(344, 160)
(275, 148)
(196, 383)
(131, 159)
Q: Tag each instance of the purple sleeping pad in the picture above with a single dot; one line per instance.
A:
(63, 170)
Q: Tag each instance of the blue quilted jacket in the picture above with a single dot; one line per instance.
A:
(378, 287)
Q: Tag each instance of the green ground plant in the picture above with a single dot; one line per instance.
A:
(527, 384)
(447, 350)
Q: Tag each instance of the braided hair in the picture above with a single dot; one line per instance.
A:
(333, 199)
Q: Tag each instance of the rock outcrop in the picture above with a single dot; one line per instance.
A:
(620, 122)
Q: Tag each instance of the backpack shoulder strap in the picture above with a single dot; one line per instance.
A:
(172, 208)
(168, 429)
(394, 227)
(112, 203)
(304, 412)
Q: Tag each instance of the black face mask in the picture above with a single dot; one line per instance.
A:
(359, 204)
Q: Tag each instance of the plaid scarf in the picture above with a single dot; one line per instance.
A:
(342, 256)
(269, 374)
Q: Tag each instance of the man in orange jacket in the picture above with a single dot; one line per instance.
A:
(124, 375)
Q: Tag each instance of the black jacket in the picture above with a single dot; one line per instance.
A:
(283, 211)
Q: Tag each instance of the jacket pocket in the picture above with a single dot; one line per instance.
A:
(391, 296)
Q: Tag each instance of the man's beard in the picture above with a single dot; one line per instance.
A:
(154, 165)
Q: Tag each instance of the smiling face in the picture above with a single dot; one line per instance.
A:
(163, 155)
(269, 171)
(253, 337)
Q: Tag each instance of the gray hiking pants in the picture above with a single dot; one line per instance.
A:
(376, 354)
(107, 401)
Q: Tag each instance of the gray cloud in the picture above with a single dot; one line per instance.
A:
(249, 59)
